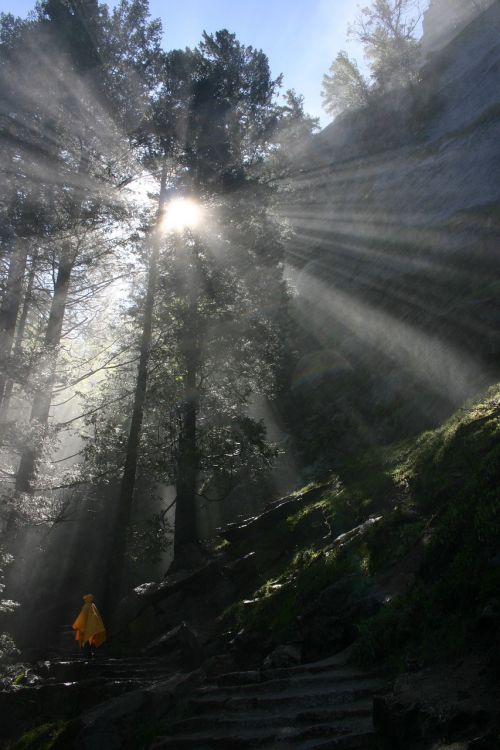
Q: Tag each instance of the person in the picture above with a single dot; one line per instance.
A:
(90, 630)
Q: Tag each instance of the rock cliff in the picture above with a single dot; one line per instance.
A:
(396, 211)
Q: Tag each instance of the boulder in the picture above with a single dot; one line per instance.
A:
(286, 655)
(142, 614)
(180, 642)
(322, 635)
(275, 512)
(329, 622)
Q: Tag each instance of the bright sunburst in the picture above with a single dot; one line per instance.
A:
(182, 213)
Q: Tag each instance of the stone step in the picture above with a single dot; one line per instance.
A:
(365, 741)
(291, 698)
(140, 673)
(251, 719)
(303, 681)
(310, 668)
(79, 669)
(261, 676)
(318, 738)
(331, 664)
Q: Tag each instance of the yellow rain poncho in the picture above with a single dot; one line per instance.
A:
(89, 625)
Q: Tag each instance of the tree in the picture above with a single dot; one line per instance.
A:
(344, 86)
(68, 79)
(205, 333)
(386, 30)
(215, 116)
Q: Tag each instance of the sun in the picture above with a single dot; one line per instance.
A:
(181, 214)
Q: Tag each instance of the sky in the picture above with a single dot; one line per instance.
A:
(300, 37)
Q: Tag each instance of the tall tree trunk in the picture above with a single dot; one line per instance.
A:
(42, 398)
(185, 531)
(9, 309)
(125, 499)
(18, 343)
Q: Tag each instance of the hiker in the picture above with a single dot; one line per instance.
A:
(89, 625)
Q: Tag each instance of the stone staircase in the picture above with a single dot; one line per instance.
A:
(315, 706)
(318, 706)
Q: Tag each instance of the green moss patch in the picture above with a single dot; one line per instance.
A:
(43, 737)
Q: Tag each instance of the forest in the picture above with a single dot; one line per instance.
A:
(249, 385)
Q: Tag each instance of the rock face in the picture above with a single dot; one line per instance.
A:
(395, 256)
(444, 19)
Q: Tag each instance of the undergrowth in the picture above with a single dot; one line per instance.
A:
(438, 493)
(452, 477)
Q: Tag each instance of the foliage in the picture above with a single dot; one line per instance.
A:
(65, 142)
(97, 111)
(386, 31)
(344, 86)
(150, 539)
(219, 299)
(8, 650)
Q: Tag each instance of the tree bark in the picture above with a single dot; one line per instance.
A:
(4, 404)
(43, 397)
(185, 531)
(9, 309)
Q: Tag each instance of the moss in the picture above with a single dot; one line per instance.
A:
(391, 540)
(451, 475)
(274, 607)
(294, 520)
(43, 737)
(221, 546)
